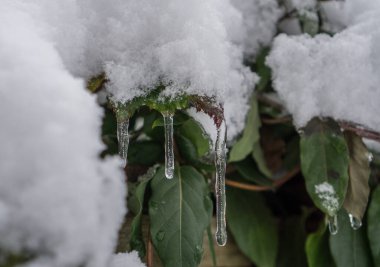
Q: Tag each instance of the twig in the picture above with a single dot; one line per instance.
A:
(258, 188)
(360, 130)
(276, 120)
(149, 254)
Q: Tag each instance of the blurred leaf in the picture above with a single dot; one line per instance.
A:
(194, 132)
(180, 211)
(14, 260)
(324, 163)
(249, 143)
(253, 226)
(309, 22)
(374, 225)
(189, 152)
(251, 135)
(359, 170)
(318, 249)
(258, 156)
(293, 232)
(210, 238)
(262, 69)
(248, 170)
(145, 153)
(96, 83)
(292, 153)
(137, 200)
(349, 247)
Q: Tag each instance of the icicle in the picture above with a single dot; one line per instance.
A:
(333, 224)
(122, 133)
(169, 151)
(355, 222)
(220, 165)
(370, 157)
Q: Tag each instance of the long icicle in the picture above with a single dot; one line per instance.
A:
(220, 192)
(122, 120)
(169, 143)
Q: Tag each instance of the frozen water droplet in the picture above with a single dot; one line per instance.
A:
(356, 223)
(220, 166)
(333, 224)
(169, 151)
(300, 131)
(122, 133)
(154, 205)
(160, 235)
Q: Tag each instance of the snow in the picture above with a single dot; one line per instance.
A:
(195, 47)
(301, 5)
(58, 199)
(332, 76)
(327, 194)
(126, 260)
(260, 18)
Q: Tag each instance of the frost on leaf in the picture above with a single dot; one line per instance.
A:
(327, 195)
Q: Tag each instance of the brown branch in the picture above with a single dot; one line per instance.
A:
(270, 121)
(258, 188)
(149, 254)
(360, 130)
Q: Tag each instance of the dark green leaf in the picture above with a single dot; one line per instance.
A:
(374, 225)
(349, 247)
(318, 249)
(248, 170)
(310, 22)
(180, 211)
(262, 69)
(293, 232)
(194, 132)
(136, 198)
(249, 143)
(253, 226)
(358, 188)
(251, 135)
(145, 153)
(210, 238)
(324, 163)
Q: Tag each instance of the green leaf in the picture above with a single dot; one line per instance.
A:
(358, 188)
(180, 210)
(318, 249)
(324, 163)
(145, 153)
(253, 226)
(136, 199)
(210, 238)
(293, 232)
(310, 22)
(194, 132)
(249, 143)
(374, 225)
(349, 247)
(251, 135)
(262, 69)
(248, 170)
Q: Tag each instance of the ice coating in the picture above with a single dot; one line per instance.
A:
(169, 145)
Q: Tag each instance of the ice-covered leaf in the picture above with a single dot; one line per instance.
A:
(180, 211)
(324, 163)
(359, 170)
(310, 22)
(318, 250)
(252, 226)
(349, 247)
(374, 226)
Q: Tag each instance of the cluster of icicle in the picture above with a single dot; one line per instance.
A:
(220, 163)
